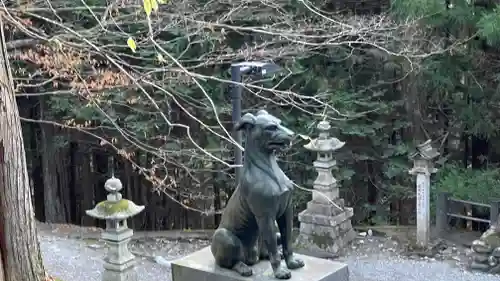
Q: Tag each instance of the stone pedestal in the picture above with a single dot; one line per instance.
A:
(129, 274)
(201, 266)
(325, 226)
(324, 229)
(119, 263)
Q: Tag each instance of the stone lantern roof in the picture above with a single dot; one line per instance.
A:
(115, 207)
(324, 143)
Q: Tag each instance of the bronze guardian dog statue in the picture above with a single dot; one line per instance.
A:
(262, 198)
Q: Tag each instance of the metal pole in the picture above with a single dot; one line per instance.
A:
(236, 115)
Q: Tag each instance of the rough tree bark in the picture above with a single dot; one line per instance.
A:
(54, 211)
(19, 247)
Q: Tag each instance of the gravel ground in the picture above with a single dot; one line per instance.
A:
(387, 268)
(81, 260)
(73, 260)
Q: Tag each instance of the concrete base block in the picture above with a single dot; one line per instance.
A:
(201, 266)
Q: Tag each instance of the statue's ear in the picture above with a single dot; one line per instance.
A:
(247, 121)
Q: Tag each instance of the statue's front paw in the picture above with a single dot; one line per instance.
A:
(294, 263)
(282, 273)
(243, 269)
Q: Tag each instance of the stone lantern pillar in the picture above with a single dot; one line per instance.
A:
(325, 226)
(423, 167)
(119, 264)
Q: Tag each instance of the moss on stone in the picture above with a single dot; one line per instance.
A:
(299, 245)
(322, 240)
(491, 237)
(110, 207)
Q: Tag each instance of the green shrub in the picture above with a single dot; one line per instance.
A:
(467, 184)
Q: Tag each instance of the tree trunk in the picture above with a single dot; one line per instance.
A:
(19, 247)
(54, 210)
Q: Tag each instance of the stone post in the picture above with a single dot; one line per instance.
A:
(423, 167)
(325, 226)
(119, 263)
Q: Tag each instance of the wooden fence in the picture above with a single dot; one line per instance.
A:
(444, 211)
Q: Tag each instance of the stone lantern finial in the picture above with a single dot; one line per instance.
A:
(113, 185)
(324, 129)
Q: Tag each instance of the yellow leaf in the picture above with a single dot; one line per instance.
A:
(154, 5)
(160, 58)
(148, 7)
(211, 27)
(131, 44)
(162, 1)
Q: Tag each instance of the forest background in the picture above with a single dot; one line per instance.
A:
(103, 89)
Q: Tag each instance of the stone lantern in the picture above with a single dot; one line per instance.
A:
(423, 167)
(325, 226)
(119, 263)
(324, 146)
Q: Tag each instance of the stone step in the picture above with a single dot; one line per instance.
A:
(307, 217)
(331, 231)
(326, 209)
(325, 196)
(322, 245)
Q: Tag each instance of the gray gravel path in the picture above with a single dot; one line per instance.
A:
(74, 260)
(387, 268)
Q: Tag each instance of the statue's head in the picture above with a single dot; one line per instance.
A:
(264, 132)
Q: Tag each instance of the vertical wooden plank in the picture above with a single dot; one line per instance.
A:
(442, 212)
(494, 212)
